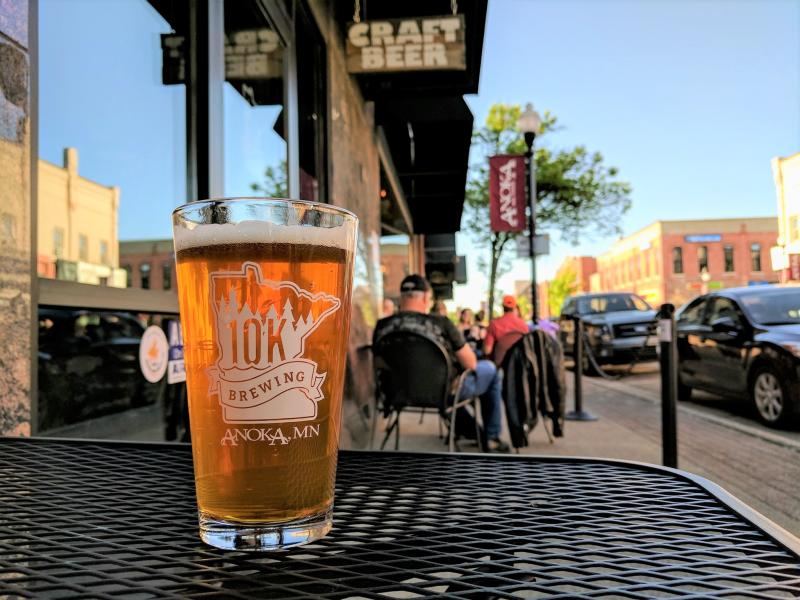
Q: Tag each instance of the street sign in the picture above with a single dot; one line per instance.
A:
(541, 247)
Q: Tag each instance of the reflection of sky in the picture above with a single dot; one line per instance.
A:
(101, 92)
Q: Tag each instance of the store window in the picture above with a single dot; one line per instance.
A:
(255, 153)
(755, 257)
(729, 266)
(677, 260)
(112, 134)
(128, 275)
(702, 258)
(166, 276)
(83, 247)
(144, 276)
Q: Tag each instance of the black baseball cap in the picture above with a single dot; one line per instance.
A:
(415, 283)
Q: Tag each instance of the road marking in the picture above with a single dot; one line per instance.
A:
(747, 429)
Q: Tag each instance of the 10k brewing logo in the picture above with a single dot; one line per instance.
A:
(261, 375)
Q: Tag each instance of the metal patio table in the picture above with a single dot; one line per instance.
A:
(117, 520)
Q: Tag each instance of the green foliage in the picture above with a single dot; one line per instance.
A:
(525, 307)
(275, 182)
(576, 193)
(561, 287)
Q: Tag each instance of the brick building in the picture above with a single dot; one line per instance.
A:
(149, 264)
(673, 261)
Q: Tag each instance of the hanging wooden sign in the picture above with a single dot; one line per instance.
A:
(412, 44)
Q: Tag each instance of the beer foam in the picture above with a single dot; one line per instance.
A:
(260, 232)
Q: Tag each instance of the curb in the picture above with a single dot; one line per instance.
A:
(746, 429)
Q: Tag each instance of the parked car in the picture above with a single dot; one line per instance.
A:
(89, 365)
(744, 343)
(619, 326)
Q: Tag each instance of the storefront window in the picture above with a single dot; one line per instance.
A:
(112, 136)
(253, 100)
(128, 275)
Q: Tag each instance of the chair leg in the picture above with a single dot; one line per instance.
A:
(374, 426)
(476, 406)
(421, 416)
(452, 444)
(397, 433)
(389, 429)
(547, 430)
(439, 420)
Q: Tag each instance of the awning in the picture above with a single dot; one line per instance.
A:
(429, 140)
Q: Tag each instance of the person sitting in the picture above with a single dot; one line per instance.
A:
(484, 381)
(504, 332)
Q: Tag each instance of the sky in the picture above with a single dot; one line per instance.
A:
(690, 99)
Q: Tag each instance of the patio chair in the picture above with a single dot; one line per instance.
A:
(413, 373)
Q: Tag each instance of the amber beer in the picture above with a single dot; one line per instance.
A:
(265, 307)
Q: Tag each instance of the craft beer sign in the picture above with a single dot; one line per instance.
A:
(413, 44)
(507, 193)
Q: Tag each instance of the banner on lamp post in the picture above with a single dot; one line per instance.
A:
(507, 193)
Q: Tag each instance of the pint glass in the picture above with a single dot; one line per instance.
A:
(264, 288)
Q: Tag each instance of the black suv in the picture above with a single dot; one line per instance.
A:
(619, 327)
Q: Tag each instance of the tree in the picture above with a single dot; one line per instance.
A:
(575, 192)
(562, 286)
(274, 185)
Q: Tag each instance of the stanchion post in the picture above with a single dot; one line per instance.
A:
(668, 355)
(578, 414)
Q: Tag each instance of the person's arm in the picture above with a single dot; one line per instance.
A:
(488, 343)
(466, 357)
(464, 354)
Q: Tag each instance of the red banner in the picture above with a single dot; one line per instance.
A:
(507, 193)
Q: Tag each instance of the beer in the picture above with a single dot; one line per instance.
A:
(265, 312)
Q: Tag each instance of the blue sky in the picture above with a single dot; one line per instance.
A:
(690, 99)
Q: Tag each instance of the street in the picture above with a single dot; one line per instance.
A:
(717, 438)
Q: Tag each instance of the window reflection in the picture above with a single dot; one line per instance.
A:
(253, 99)
(112, 135)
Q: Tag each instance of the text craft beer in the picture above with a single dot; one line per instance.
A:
(265, 350)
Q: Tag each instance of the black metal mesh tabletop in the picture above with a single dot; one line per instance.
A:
(106, 520)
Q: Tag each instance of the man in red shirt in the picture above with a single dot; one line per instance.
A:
(504, 331)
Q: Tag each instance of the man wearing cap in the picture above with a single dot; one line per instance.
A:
(485, 381)
(504, 332)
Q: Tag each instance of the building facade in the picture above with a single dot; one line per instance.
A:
(77, 226)
(220, 98)
(673, 261)
(148, 264)
(786, 254)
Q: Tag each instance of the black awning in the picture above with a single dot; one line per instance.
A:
(429, 139)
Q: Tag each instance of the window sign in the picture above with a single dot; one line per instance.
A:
(416, 44)
(176, 371)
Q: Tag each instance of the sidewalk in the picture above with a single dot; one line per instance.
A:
(758, 471)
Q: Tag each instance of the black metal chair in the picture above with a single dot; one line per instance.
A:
(413, 373)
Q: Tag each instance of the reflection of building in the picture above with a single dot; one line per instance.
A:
(672, 261)
(786, 255)
(148, 264)
(77, 229)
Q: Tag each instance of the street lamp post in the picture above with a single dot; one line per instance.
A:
(529, 123)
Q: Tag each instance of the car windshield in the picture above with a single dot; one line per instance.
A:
(611, 303)
(775, 308)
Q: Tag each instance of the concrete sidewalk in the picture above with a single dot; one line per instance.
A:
(760, 472)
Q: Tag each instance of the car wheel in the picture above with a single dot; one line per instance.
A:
(769, 396)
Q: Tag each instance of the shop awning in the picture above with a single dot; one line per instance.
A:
(429, 141)
(427, 124)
